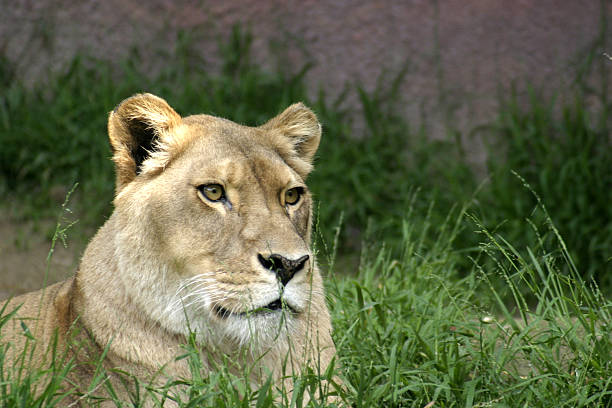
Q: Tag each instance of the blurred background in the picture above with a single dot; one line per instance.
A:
(430, 109)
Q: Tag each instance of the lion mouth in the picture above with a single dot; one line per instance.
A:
(272, 307)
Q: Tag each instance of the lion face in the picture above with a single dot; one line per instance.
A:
(215, 219)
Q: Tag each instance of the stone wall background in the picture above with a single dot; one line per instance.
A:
(459, 54)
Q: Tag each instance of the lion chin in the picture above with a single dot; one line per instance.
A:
(210, 236)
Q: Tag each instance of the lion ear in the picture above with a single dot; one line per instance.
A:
(138, 128)
(295, 134)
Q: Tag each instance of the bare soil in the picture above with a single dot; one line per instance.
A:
(24, 248)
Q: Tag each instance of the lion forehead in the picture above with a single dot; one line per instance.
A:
(238, 165)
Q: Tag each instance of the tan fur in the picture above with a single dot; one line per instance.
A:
(167, 257)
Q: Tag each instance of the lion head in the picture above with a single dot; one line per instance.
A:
(214, 221)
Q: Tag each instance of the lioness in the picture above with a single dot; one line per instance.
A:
(210, 235)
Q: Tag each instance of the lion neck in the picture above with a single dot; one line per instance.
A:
(107, 309)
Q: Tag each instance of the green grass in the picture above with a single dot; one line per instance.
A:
(413, 331)
(54, 134)
(567, 160)
(410, 331)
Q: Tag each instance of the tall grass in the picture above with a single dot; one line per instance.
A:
(54, 133)
(567, 159)
(410, 331)
(427, 335)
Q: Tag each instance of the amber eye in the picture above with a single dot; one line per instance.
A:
(213, 192)
(292, 196)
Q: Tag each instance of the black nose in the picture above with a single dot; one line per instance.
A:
(284, 268)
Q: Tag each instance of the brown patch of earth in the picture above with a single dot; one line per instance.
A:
(24, 249)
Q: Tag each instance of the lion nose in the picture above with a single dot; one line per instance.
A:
(284, 268)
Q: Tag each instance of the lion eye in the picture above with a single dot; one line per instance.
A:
(292, 196)
(213, 192)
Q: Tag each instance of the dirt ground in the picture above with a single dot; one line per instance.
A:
(24, 248)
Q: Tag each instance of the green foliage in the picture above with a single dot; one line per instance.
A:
(567, 160)
(409, 332)
(54, 133)
(369, 178)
